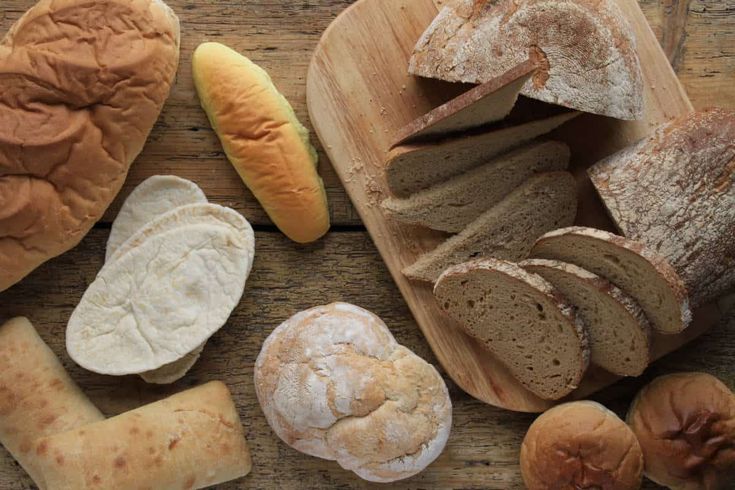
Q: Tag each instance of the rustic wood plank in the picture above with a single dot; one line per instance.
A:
(483, 448)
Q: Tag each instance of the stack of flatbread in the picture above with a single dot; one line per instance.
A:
(175, 268)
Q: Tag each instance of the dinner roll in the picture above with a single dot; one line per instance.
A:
(335, 384)
(82, 85)
(581, 445)
(685, 423)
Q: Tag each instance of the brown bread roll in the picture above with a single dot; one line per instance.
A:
(581, 445)
(191, 440)
(37, 397)
(82, 84)
(685, 423)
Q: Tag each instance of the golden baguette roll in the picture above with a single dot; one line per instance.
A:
(263, 140)
(191, 440)
(37, 396)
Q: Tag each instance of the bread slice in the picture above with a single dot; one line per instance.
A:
(452, 205)
(586, 47)
(630, 265)
(486, 103)
(509, 229)
(521, 319)
(619, 332)
(410, 168)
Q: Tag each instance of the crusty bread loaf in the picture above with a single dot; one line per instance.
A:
(521, 319)
(509, 229)
(193, 439)
(675, 192)
(685, 423)
(37, 396)
(334, 383)
(452, 205)
(618, 330)
(586, 48)
(263, 140)
(581, 445)
(96, 75)
(630, 265)
(487, 103)
(413, 167)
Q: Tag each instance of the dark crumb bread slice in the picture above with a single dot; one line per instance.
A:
(452, 205)
(521, 319)
(509, 229)
(630, 265)
(412, 167)
(619, 332)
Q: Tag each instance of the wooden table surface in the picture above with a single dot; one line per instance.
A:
(699, 38)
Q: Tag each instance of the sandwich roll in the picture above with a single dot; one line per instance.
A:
(263, 140)
(37, 396)
(191, 440)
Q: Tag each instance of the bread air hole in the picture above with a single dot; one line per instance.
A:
(556, 362)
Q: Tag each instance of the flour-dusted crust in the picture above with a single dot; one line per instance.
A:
(153, 197)
(334, 383)
(159, 301)
(675, 192)
(487, 103)
(586, 47)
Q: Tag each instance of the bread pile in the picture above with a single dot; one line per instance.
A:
(64, 442)
(333, 383)
(83, 84)
(176, 268)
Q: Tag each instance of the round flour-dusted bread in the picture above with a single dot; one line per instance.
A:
(685, 423)
(159, 301)
(581, 445)
(152, 198)
(335, 384)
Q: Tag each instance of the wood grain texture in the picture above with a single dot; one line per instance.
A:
(360, 95)
(280, 34)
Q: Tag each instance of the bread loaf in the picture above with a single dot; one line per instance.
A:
(263, 140)
(685, 423)
(581, 445)
(193, 439)
(96, 75)
(37, 396)
(452, 205)
(586, 49)
(521, 319)
(333, 383)
(487, 103)
(675, 192)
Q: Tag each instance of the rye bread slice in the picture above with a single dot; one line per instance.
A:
(630, 265)
(521, 319)
(509, 229)
(618, 330)
(484, 104)
(412, 167)
(452, 205)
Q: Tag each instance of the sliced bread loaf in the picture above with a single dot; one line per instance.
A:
(630, 265)
(521, 319)
(486, 103)
(452, 205)
(619, 332)
(509, 229)
(410, 168)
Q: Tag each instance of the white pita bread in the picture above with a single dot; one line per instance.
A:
(153, 197)
(171, 373)
(159, 301)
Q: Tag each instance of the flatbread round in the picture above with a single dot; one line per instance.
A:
(171, 373)
(159, 301)
(153, 197)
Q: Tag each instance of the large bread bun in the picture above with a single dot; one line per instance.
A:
(685, 423)
(82, 85)
(335, 384)
(581, 445)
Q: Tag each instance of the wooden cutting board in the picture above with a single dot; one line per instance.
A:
(359, 94)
